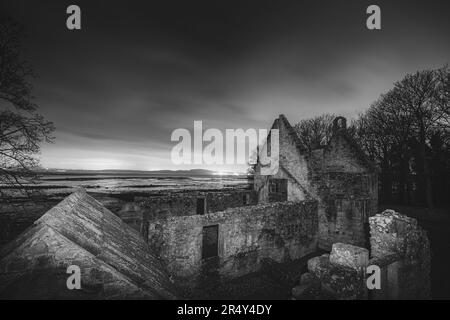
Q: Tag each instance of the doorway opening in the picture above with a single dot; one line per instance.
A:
(278, 190)
(210, 242)
(201, 206)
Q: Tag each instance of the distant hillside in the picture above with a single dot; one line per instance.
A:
(173, 173)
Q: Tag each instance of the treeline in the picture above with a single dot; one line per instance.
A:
(406, 133)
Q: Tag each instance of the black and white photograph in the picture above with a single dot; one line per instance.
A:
(223, 150)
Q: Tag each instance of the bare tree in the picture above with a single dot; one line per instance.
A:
(22, 129)
(316, 132)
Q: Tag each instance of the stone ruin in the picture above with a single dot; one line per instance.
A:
(322, 199)
(120, 263)
(338, 176)
(398, 246)
(114, 261)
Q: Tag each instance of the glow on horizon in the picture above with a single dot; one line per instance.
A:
(120, 164)
(61, 156)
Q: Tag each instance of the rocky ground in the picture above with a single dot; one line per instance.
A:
(273, 282)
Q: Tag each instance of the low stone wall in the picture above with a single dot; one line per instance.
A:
(16, 217)
(246, 235)
(186, 204)
(135, 211)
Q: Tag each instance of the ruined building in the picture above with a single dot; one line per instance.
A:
(338, 176)
(155, 245)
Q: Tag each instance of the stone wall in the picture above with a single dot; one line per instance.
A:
(186, 204)
(292, 166)
(18, 216)
(223, 200)
(347, 190)
(346, 202)
(338, 176)
(135, 211)
(279, 231)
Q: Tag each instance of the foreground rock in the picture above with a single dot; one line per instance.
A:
(400, 249)
(114, 260)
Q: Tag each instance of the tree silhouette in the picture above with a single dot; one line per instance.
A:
(22, 129)
(423, 98)
(316, 132)
(406, 132)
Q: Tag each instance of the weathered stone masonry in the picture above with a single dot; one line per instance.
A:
(191, 203)
(246, 235)
(317, 198)
(188, 204)
(338, 176)
(114, 260)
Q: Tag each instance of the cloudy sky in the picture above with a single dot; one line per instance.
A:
(140, 69)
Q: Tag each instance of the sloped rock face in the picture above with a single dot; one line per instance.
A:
(115, 262)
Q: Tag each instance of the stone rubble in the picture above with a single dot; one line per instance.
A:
(399, 247)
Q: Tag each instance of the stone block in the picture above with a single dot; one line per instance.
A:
(319, 265)
(347, 255)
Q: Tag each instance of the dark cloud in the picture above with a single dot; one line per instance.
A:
(139, 69)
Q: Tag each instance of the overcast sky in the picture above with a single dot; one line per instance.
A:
(140, 69)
